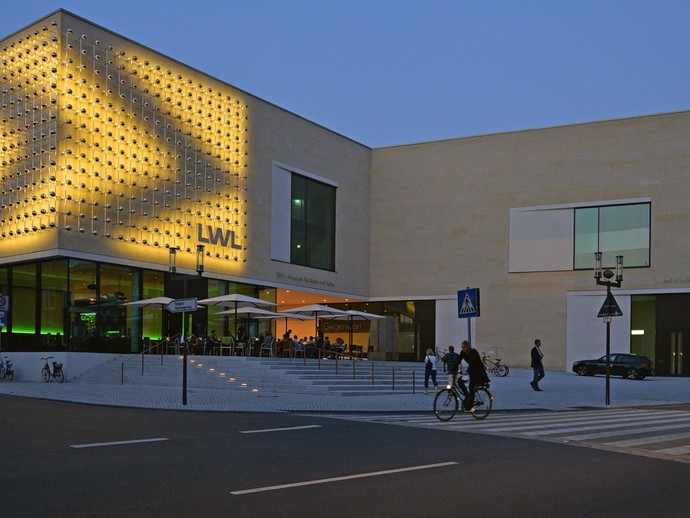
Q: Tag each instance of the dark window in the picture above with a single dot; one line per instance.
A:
(312, 229)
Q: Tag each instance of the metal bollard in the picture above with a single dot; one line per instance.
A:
(372, 373)
(393, 371)
(413, 383)
(353, 369)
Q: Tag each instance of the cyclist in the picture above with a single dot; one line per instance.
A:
(476, 370)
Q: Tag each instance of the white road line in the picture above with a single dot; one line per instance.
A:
(340, 479)
(266, 430)
(629, 431)
(628, 424)
(679, 450)
(650, 440)
(117, 443)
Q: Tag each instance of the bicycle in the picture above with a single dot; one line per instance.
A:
(448, 400)
(494, 366)
(6, 369)
(55, 374)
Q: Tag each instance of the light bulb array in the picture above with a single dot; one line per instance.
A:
(114, 144)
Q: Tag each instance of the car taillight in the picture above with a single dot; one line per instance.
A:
(645, 364)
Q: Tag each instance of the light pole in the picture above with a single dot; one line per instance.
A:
(609, 309)
(172, 268)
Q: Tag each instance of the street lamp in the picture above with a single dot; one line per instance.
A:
(610, 307)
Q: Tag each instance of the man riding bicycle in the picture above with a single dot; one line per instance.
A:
(476, 370)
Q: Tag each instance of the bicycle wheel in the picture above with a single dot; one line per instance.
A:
(3, 372)
(483, 401)
(45, 373)
(10, 375)
(503, 371)
(445, 405)
(59, 376)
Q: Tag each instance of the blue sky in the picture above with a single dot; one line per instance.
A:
(386, 72)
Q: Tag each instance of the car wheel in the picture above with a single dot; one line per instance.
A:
(633, 374)
(582, 370)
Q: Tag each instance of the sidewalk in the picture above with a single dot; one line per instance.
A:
(561, 391)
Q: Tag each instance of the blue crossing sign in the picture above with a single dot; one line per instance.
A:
(468, 303)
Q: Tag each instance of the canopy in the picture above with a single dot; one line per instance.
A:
(236, 301)
(352, 314)
(156, 302)
(314, 310)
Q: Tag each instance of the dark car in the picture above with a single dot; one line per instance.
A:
(628, 365)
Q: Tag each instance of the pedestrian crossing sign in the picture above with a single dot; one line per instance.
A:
(468, 303)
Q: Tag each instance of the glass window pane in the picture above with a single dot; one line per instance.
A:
(312, 229)
(152, 318)
(23, 301)
(586, 236)
(53, 296)
(624, 230)
(613, 230)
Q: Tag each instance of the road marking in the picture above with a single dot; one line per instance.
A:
(117, 443)
(678, 450)
(340, 479)
(650, 440)
(266, 430)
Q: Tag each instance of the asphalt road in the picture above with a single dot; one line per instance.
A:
(54, 460)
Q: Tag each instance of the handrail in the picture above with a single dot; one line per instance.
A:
(122, 365)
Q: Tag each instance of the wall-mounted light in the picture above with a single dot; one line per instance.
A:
(172, 260)
(200, 259)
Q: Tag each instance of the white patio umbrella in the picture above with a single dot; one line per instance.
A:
(236, 301)
(352, 315)
(156, 302)
(315, 310)
(287, 316)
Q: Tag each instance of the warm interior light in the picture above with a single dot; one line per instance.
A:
(637, 332)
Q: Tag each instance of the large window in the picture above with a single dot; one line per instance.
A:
(312, 228)
(612, 230)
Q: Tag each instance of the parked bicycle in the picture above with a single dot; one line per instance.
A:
(452, 397)
(54, 374)
(6, 369)
(494, 366)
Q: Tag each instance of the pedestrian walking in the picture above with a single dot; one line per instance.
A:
(430, 370)
(537, 365)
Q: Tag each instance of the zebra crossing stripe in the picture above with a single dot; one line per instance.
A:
(649, 440)
(558, 424)
(625, 424)
(628, 431)
(679, 450)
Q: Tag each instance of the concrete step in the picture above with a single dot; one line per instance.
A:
(263, 374)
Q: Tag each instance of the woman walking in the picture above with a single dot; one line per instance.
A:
(430, 370)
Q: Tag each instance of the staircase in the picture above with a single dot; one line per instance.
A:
(342, 377)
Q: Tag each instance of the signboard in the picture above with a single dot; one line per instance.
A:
(3, 318)
(610, 307)
(181, 305)
(4, 302)
(468, 303)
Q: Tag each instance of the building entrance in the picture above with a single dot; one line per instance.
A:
(660, 328)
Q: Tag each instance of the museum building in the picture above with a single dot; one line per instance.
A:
(127, 175)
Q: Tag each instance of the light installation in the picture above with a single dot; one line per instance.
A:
(119, 145)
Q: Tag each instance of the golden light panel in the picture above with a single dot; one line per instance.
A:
(113, 144)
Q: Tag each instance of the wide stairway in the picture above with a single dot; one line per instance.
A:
(341, 377)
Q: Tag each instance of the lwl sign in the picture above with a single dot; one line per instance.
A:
(215, 236)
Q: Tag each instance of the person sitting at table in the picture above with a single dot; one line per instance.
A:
(287, 334)
(340, 345)
(327, 348)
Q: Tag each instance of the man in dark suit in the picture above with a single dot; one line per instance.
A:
(537, 365)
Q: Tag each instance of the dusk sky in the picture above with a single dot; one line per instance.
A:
(385, 72)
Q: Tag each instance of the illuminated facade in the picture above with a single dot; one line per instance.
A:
(112, 155)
